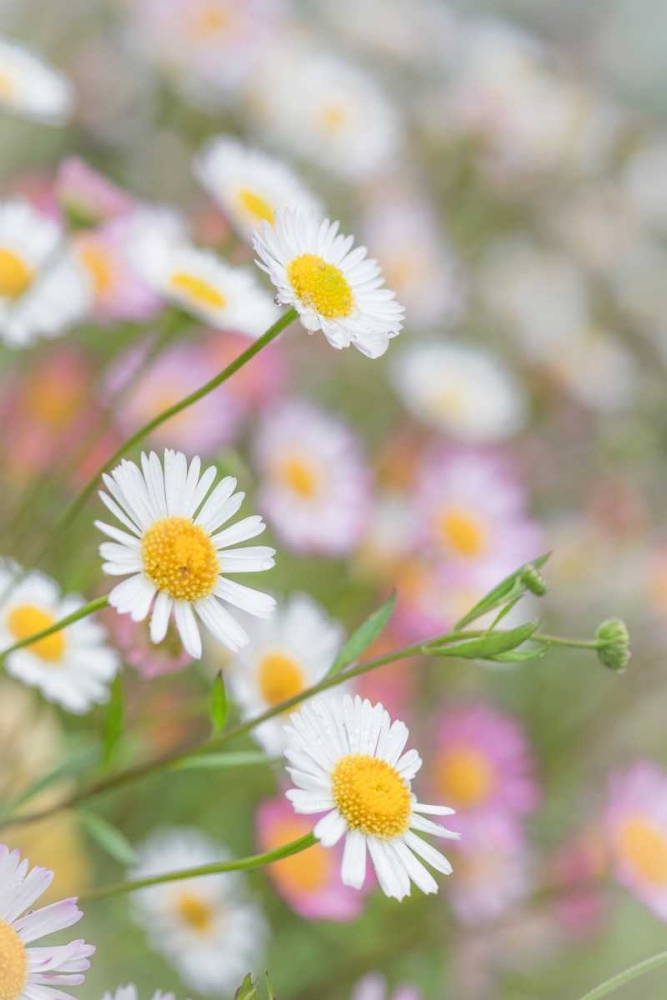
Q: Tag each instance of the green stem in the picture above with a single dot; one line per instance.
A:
(621, 978)
(239, 865)
(87, 609)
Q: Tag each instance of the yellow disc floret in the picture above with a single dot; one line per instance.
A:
(463, 532)
(371, 795)
(15, 275)
(257, 206)
(644, 848)
(25, 620)
(195, 912)
(321, 286)
(13, 963)
(198, 291)
(465, 776)
(280, 677)
(180, 558)
(300, 476)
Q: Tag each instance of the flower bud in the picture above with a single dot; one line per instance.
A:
(533, 581)
(614, 644)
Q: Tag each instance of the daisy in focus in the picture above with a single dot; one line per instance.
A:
(31, 88)
(285, 655)
(347, 761)
(72, 667)
(334, 288)
(35, 973)
(43, 288)
(174, 553)
(314, 485)
(248, 185)
(130, 992)
(208, 928)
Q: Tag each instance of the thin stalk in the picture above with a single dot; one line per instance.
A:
(238, 865)
(87, 609)
(621, 978)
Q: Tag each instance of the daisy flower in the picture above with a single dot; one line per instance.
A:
(347, 761)
(313, 482)
(207, 928)
(334, 288)
(285, 655)
(87, 197)
(635, 825)
(248, 185)
(374, 987)
(174, 552)
(130, 992)
(461, 390)
(72, 667)
(31, 88)
(491, 870)
(43, 289)
(35, 973)
(308, 881)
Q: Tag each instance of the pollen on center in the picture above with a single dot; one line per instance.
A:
(280, 677)
(255, 205)
(198, 291)
(321, 286)
(371, 795)
(180, 558)
(13, 963)
(195, 912)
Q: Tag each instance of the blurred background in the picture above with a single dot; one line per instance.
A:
(507, 165)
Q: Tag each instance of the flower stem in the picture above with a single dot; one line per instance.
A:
(621, 978)
(87, 609)
(238, 865)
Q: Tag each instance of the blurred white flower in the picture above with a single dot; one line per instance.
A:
(29, 87)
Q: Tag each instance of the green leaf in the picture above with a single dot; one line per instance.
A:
(72, 767)
(212, 761)
(508, 589)
(269, 989)
(247, 990)
(219, 705)
(521, 655)
(113, 723)
(361, 639)
(111, 840)
(486, 646)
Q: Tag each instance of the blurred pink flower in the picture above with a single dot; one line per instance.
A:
(309, 881)
(576, 871)
(87, 197)
(374, 987)
(151, 660)
(491, 870)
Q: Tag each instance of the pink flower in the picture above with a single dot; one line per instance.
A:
(87, 197)
(491, 870)
(576, 870)
(374, 987)
(309, 881)
(151, 660)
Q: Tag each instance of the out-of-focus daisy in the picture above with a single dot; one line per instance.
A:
(576, 873)
(31, 88)
(347, 761)
(205, 286)
(72, 667)
(248, 185)
(482, 763)
(28, 973)
(334, 288)
(150, 659)
(390, 536)
(597, 369)
(87, 197)
(119, 293)
(207, 928)
(43, 289)
(174, 553)
(285, 655)
(310, 880)
(313, 484)
(461, 390)
(642, 181)
(635, 826)
(472, 508)
(374, 987)
(491, 870)
(130, 992)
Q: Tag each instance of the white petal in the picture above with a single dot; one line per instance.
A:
(353, 871)
(186, 624)
(330, 828)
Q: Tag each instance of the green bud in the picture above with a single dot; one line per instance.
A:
(533, 581)
(614, 648)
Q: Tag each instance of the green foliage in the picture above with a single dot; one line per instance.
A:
(219, 704)
(362, 638)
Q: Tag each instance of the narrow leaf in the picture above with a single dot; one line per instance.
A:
(219, 705)
(269, 989)
(110, 839)
(361, 639)
(508, 589)
(247, 990)
(212, 761)
(72, 767)
(485, 646)
(521, 655)
(113, 723)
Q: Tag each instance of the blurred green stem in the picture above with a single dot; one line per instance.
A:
(621, 978)
(238, 865)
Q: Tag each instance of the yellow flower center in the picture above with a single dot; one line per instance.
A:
(198, 291)
(194, 912)
(464, 533)
(96, 262)
(280, 677)
(13, 963)
(15, 275)
(51, 400)
(180, 558)
(300, 476)
(371, 795)
(255, 205)
(644, 848)
(308, 871)
(25, 620)
(208, 20)
(321, 286)
(333, 117)
(465, 777)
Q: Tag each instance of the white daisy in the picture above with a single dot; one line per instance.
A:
(286, 655)
(72, 667)
(130, 992)
(175, 553)
(334, 288)
(204, 285)
(35, 973)
(249, 185)
(29, 87)
(461, 390)
(43, 289)
(207, 928)
(348, 762)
